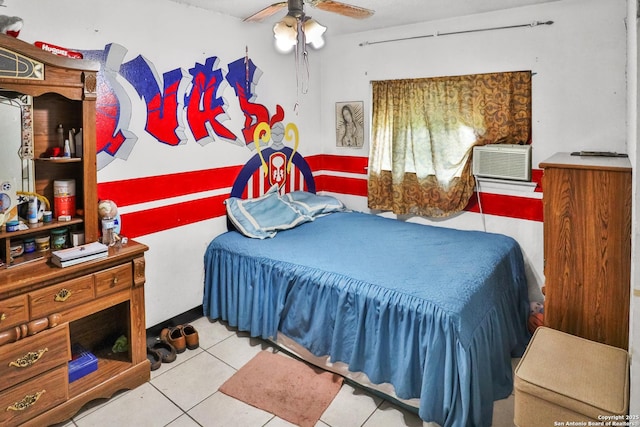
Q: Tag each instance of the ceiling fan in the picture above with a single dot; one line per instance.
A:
(295, 8)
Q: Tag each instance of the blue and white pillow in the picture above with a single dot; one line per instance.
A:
(312, 204)
(263, 216)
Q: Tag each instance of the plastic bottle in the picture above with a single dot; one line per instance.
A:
(32, 210)
(60, 132)
(72, 142)
(67, 148)
(78, 143)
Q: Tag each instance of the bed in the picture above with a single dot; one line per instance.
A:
(430, 316)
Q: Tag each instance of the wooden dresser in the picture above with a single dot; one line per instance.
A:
(587, 246)
(50, 309)
(46, 311)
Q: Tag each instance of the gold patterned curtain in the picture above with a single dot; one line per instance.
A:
(423, 132)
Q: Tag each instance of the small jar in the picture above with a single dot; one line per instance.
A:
(59, 238)
(42, 243)
(29, 245)
(12, 225)
(47, 216)
(16, 248)
(108, 232)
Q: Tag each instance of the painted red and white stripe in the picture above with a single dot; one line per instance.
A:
(153, 204)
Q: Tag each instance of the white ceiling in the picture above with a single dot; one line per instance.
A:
(387, 12)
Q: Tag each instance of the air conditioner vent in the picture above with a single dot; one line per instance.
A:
(503, 161)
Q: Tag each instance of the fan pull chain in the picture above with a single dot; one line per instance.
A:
(297, 59)
(302, 66)
(246, 68)
(305, 57)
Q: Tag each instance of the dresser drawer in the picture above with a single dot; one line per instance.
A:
(113, 279)
(13, 311)
(33, 355)
(59, 297)
(28, 399)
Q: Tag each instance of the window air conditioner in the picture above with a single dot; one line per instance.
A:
(503, 161)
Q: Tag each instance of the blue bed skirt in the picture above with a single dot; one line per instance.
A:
(436, 312)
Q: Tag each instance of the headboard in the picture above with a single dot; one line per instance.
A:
(277, 164)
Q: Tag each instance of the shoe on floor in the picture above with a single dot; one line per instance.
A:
(175, 337)
(154, 357)
(167, 351)
(191, 337)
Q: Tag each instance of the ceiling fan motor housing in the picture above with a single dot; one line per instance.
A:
(296, 8)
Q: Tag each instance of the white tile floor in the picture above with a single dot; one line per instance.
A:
(185, 393)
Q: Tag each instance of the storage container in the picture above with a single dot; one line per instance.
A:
(59, 238)
(563, 378)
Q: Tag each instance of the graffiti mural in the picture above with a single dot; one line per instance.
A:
(182, 104)
(176, 100)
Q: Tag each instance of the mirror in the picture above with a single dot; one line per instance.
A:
(16, 149)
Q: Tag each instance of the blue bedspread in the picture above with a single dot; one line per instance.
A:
(436, 312)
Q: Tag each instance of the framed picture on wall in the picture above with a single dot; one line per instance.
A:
(350, 124)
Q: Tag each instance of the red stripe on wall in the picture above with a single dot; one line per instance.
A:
(147, 189)
(341, 185)
(508, 206)
(352, 164)
(330, 162)
(149, 221)
(536, 176)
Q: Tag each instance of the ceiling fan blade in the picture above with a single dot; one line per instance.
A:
(342, 8)
(266, 12)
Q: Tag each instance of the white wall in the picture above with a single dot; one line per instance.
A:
(579, 88)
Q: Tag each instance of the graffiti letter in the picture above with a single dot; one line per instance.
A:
(242, 76)
(203, 107)
(113, 108)
(164, 108)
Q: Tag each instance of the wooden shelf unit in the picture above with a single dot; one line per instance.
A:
(587, 246)
(64, 92)
(44, 309)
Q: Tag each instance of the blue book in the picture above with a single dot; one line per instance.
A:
(82, 362)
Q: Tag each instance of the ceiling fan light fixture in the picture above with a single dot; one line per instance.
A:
(284, 45)
(313, 33)
(286, 34)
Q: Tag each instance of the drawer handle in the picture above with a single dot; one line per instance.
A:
(2, 316)
(62, 295)
(28, 401)
(28, 359)
(114, 281)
